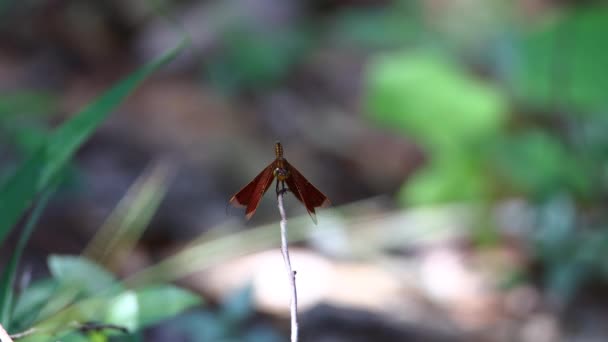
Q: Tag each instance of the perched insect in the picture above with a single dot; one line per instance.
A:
(301, 188)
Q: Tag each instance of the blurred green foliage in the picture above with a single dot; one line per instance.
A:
(81, 291)
(541, 134)
(563, 61)
(477, 143)
(231, 322)
(250, 60)
(452, 115)
(540, 165)
(379, 28)
(532, 124)
(7, 294)
(45, 164)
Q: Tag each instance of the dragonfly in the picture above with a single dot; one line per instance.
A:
(288, 179)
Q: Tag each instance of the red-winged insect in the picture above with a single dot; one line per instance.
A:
(301, 188)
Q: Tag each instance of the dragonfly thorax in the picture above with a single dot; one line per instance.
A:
(281, 173)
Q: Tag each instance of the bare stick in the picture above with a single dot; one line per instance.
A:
(291, 275)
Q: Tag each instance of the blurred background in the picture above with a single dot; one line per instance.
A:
(462, 143)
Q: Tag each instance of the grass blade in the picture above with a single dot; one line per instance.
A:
(8, 276)
(114, 241)
(36, 173)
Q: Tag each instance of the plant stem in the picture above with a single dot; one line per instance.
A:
(291, 275)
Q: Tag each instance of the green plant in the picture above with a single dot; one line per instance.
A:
(453, 116)
(542, 138)
(559, 62)
(230, 322)
(255, 60)
(38, 174)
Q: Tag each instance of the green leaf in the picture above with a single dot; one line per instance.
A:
(8, 276)
(79, 272)
(115, 239)
(32, 300)
(161, 302)
(124, 310)
(429, 98)
(447, 179)
(549, 167)
(141, 308)
(239, 305)
(37, 338)
(38, 172)
(67, 316)
(76, 337)
(561, 62)
(48, 337)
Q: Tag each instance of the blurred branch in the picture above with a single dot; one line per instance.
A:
(291, 275)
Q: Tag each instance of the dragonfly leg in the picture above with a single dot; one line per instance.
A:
(283, 188)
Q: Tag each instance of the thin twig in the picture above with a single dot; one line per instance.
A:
(291, 275)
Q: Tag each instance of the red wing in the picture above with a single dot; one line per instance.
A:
(252, 193)
(305, 192)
